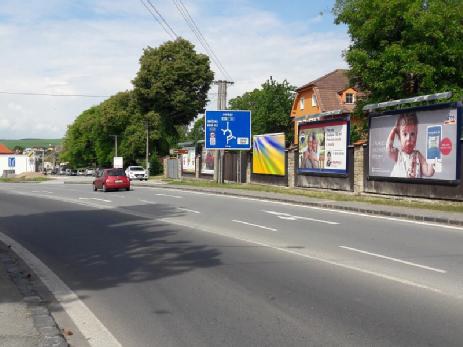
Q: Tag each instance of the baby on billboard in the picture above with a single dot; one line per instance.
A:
(409, 162)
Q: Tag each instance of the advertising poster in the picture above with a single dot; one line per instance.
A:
(323, 147)
(269, 154)
(207, 161)
(188, 160)
(414, 145)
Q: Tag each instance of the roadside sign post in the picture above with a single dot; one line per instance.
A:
(118, 163)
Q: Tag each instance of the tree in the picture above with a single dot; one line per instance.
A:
(173, 81)
(403, 48)
(196, 133)
(270, 108)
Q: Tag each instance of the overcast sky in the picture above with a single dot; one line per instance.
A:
(92, 47)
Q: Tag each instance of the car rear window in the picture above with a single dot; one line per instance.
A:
(116, 172)
(136, 168)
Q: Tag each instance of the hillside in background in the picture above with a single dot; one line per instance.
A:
(30, 143)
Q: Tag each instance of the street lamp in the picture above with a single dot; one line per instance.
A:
(147, 146)
(115, 143)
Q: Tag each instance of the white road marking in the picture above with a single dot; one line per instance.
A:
(171, 196)
(188, 210)
(97, 199)
(287, 216)
(394, 259)
(89, 325)
(307, 256)
(149, 202)
(254, 225)
(395, 219)
(42, 191)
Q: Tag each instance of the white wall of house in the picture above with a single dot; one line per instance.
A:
(22, 163)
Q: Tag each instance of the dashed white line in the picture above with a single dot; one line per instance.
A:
(394, 259)
(97, 199)
(149, 202)
(188, 210)
(254, 225)
(170, 196)
(287, 216)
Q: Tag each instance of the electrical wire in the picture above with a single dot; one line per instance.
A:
(162, 22)
(183, 10)
(48, 94)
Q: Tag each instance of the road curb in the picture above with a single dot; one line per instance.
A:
(364, 210)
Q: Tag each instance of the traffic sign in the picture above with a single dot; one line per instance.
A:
(228, 129)
(11, 161)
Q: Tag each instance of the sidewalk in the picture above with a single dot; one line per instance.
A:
(416, 214)
(24, 318)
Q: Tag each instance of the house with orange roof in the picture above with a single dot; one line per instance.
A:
(331, 92)
(13, 164)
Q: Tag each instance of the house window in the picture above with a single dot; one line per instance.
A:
(314, 100)
(301, 103)
(349, 98)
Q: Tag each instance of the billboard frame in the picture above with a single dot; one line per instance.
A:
(285, 156)
(345, 174)
(459, 107)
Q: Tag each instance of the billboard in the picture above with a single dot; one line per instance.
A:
(415, 143)
(268, 154)
(188, 160)
(228, 129)
(323, 146)
(207, 161)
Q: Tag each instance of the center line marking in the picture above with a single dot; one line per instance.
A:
(254, 225)
(188, 210)
(394, 259)
(171, 196)
(287, 216)
(149, 202)
(95, 199)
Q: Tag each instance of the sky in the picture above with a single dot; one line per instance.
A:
(92, 47)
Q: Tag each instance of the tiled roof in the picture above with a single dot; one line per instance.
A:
(5, 150)
(327, 87)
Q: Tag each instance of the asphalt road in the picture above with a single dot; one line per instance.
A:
(162, 267)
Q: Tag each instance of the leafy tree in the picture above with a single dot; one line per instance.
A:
(270, 108)
(173, 81)
(196, 133)
(403, 48)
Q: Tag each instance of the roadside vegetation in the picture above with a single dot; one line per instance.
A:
(439, 205)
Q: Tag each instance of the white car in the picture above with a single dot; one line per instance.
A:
(136, 173)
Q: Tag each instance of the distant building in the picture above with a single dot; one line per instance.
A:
(12, 163)
(330, 92)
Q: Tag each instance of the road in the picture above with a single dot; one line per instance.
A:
(164, 267)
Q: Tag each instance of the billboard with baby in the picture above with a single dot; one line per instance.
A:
(323, 146)
(416, 143)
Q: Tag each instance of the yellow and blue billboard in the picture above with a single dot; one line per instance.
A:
(268, 154)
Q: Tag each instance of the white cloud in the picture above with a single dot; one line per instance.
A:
(47, 48)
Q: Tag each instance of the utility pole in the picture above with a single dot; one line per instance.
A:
(115, 143)
(221, 105)
(147, 146)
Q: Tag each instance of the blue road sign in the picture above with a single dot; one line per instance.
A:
(228, 129)
(11, 161)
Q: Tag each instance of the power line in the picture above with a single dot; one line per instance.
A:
(182, 9)
(160, 19)
(47, 94)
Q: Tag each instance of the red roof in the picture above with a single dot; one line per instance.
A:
(5, 150)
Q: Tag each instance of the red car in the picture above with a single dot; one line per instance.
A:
(111, 179)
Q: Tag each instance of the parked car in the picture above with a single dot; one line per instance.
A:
(111, 179)
(136, 173)
(89, 172)
(81, 172)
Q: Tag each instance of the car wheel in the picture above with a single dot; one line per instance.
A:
(104, 188)
(127, 189)
(94, 187)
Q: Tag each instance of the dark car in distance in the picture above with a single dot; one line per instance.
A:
(111, 179)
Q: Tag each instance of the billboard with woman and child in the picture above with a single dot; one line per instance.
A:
(417, 143)
(268, 154)
(323, 146)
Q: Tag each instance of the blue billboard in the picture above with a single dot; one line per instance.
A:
(228, 129)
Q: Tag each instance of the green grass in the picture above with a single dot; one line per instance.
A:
(30, 143)
(441, 205)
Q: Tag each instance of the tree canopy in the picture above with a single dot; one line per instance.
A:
(170, 89)
(403, 48)
(270, 108)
